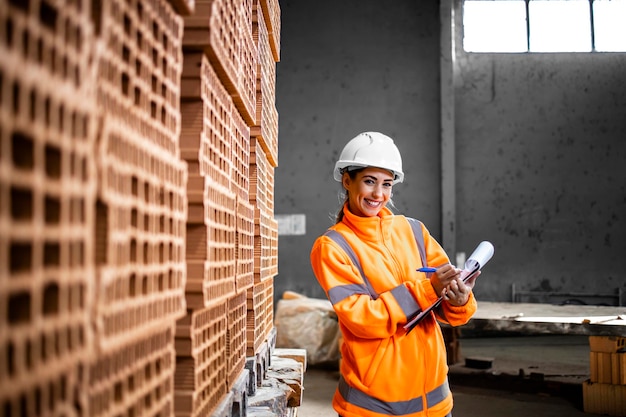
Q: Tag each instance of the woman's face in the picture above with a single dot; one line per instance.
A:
(368, 191)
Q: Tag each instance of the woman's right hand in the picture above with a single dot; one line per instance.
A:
(444, 275)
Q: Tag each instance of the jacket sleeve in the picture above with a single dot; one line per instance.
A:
(365, 316)
(457, 316)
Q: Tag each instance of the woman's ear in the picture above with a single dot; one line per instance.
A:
(345, 180)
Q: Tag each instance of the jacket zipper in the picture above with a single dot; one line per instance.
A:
(398, 271)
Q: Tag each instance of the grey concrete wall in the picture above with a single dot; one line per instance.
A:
(540, 144)
(350, 66)
(541, 151)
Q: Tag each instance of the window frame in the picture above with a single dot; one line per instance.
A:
(592, 30)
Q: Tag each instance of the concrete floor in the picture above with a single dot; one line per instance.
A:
(537, 376)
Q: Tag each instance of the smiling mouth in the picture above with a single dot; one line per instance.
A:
(372, 203)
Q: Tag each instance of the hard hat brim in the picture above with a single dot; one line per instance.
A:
(341, 166)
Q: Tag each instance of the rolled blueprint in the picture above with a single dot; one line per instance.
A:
(481, 255)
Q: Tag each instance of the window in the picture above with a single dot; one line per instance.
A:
(544, 25)
(609, 28)
(559, 26)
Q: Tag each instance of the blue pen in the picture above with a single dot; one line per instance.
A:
(427, 269)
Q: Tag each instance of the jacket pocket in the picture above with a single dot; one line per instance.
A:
(374, 365)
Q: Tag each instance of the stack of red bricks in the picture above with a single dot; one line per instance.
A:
(47, 206)
(231, 230)
(138, 245)
(141, 208)
(605, 391)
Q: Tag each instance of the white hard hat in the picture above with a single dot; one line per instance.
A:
(370, 149)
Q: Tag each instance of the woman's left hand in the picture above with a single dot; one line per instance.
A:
(457, 292)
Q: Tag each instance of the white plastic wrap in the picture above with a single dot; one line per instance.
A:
(310, 324)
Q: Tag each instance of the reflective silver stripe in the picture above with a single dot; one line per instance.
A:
(416, 225)
(437, 395)
(403, 297)
(405, 300)
(395, 408)
(341, 241)
(342, 292)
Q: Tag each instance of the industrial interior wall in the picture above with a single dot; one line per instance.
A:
(346, 67)
(540, 172)
(539, 145)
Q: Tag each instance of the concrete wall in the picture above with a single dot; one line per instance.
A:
(540, 146)
(541, 153)
(350, 66)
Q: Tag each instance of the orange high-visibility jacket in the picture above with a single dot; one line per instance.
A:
(385, 370)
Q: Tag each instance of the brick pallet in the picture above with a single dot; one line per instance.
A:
(140, 236)
(235, 402)
(236, 341)
(211, 378)
(262, 246)
(135, 379)
(201, 360)
(258, 362)
(605, 391)
(219, 88)
(139, 64)
(141, 208)
(265, 130)
(244, 278)
(271, 14)
(210, 253)
(261, 179)
(240, 183)
(273, 242)
(206, 137)
(217, 29)
(47, 194)
(137, 174)
(260, 314)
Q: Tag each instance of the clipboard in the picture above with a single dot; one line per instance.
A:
(481, 255)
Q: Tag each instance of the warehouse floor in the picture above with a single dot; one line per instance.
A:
(530, 375)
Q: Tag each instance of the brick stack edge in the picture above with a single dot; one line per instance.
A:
(605, 391)
(138, 244)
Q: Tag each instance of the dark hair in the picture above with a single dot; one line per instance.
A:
(352, 171)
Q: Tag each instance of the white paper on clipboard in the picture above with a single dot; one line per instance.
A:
(479, 258)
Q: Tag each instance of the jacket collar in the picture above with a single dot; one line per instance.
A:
(368, 228)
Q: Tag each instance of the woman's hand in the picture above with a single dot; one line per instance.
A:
(443, 277)
(457, 292)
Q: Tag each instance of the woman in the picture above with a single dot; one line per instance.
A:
(367, 264)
